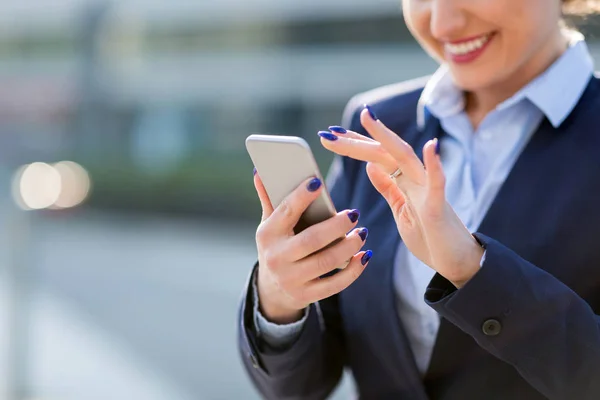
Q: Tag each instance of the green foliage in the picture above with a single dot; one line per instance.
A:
(208, 185)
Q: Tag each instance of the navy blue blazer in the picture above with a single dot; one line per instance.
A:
(525, 327)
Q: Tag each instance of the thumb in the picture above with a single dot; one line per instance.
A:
(386, 187)
(265, 202)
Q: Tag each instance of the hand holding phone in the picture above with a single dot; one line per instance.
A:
(299, 223)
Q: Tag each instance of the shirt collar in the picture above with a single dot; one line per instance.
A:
(555, 92)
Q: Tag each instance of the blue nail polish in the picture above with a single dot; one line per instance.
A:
(254, 171)
(366, 257)
(353, 215)
(328, 135)
(337, 129)
(314, 185)
(363, 233)
(371, 113)
(437, 146)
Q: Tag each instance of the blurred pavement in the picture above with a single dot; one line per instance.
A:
(148, 305)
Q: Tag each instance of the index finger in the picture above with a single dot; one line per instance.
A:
(363, 150)
(401, 151)
(288, 212)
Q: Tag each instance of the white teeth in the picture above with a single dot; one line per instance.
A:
(467, 47)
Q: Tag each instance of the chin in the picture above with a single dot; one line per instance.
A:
(470, 81)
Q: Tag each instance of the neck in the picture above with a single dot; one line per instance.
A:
(481, 102)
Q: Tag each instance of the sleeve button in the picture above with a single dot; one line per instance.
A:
(491, 327)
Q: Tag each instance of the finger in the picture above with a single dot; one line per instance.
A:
(401, 151)
(351, 134)
(287, 214)
(321, 235)
(386, 187)
(436, 180)
(368, 151)
(334, 257)
(265, 202)
(325, 287)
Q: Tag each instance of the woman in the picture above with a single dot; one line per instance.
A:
(480, 194)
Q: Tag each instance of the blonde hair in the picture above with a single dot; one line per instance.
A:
(580, 7)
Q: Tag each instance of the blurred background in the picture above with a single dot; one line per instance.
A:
(126, 201)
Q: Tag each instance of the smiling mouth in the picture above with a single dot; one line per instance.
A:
(467, 47)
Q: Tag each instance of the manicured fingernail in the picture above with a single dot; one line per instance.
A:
(371, 113)
(328, 135)
(337, 129)
(314, 185)
(254, 171)
(353, 215)
(363, 233)
(366, 257)
(437, 146)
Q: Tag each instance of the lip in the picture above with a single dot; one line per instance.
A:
(468, 57)
(469, 38)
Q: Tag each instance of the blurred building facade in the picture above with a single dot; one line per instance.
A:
(155, 98)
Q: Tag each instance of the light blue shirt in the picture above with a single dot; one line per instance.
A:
(476, 163)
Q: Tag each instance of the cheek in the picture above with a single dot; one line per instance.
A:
(417, 17)
(530, 21)
(526, 28)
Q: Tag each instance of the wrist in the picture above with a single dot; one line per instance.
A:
(272, 306)
(472, 263)
(279, 315)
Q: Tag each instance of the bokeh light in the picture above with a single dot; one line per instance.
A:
(39, 185)
(75, 184)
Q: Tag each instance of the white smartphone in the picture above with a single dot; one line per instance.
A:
(283, 163)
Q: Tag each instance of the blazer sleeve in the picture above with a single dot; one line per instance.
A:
(529, 319)
(311, 367)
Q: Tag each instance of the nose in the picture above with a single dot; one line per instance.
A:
(448, 19)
